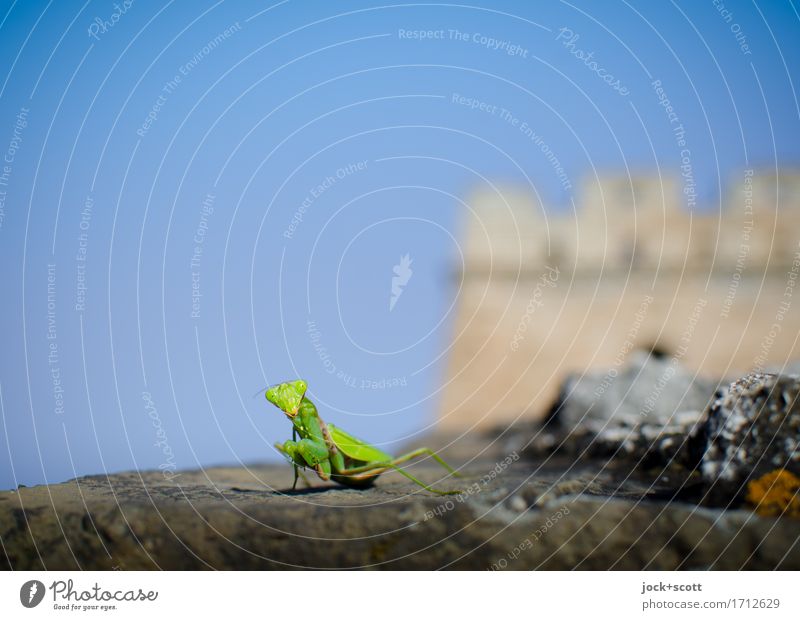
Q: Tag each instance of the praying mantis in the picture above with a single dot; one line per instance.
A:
(333, 453)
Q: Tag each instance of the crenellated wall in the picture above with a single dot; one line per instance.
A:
(545, 294)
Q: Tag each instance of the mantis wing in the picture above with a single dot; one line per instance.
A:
(357, 449)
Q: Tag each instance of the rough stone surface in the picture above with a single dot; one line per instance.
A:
(651, 482)
(644, 413)
(650, 390)
(514, 513)
(752, 428)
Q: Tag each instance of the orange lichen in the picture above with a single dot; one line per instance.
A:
(775, 494)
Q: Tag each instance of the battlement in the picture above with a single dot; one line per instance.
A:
(623, 223)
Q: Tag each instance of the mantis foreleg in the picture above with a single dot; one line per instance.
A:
(306, 449)
(296, 468)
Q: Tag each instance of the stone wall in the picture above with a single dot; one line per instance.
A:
(543, 295)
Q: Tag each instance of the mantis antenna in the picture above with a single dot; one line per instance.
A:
(264, 389)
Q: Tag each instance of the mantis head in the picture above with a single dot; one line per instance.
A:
(287, 396)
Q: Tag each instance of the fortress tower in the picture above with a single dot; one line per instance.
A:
(548, 293)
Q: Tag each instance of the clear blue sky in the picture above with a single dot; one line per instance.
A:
(343, 113)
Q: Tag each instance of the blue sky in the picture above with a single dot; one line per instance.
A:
(143, 136)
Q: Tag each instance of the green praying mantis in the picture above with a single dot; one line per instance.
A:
(333, 453)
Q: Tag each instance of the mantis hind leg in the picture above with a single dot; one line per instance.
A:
(402, 459)
(376, 469)
(427, 451)
(372, 470)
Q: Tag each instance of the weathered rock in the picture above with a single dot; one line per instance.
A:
(643, 413)
(554, 513)
(650, 389)
(645, 445)
(610, 488)
(790, 368)
(752, 428)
